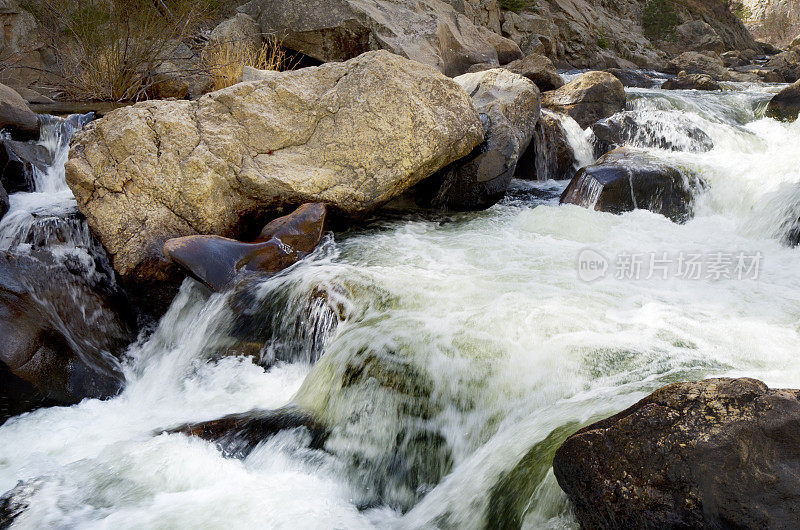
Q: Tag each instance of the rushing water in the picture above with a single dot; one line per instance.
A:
(449, 355)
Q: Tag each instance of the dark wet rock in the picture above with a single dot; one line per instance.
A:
(684, 81)
(18, 161)
(508, 105)
(591, 97)
(785, 105)
(238, 434)
(16, 116)
(216, 261)
(539, 69)
(626, 179)
(630, 77)
(549, 155)
(719, 453)
(63, 323)
(15, 501)
(767, 48)
(664, 131)
(3, 201)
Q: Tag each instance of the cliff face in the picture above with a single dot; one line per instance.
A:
(593, 33)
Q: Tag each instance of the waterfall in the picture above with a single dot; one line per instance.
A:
(446, 355)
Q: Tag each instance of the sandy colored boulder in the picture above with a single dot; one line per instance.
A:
(352, 135)
(591, 97)
(15, 114)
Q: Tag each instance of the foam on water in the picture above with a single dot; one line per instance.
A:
(464, 347)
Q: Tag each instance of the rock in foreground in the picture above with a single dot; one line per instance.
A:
(352, 135)
(626, 179)
(719, 453)
(591, 97)
(785, 105)
(63, 325)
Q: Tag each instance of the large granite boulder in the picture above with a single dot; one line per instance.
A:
(719, 453)
(352, 135)
(785, 105)
(428, 31)
(591, 97)
(509, 107)
(627, 179)
(539, 69)
(16, 116)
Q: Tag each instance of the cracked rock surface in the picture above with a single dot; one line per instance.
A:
(719, 453)
(352, 135)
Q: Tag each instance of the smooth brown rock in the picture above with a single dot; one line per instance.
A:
(591, 97)
(719, 453)
(217, 261)
(699, 63)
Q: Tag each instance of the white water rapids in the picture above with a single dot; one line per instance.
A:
(467, 344)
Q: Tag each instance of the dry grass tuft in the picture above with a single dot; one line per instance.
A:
(225, 61)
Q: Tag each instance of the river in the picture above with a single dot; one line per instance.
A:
(450, 354)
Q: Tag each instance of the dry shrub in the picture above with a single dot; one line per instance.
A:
(107, 49)
(777, 25)
(224, 61)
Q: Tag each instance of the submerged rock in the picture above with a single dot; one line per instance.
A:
(352, 135)
(664, 131)
(785, 105)
(626, 179)
(591, 97)
(684, 81)
(216, 261)
(16, 116)
(238, 434)
(509, 108)
(63, 326)
(719, 453)
(428, 31)
(15, 501)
